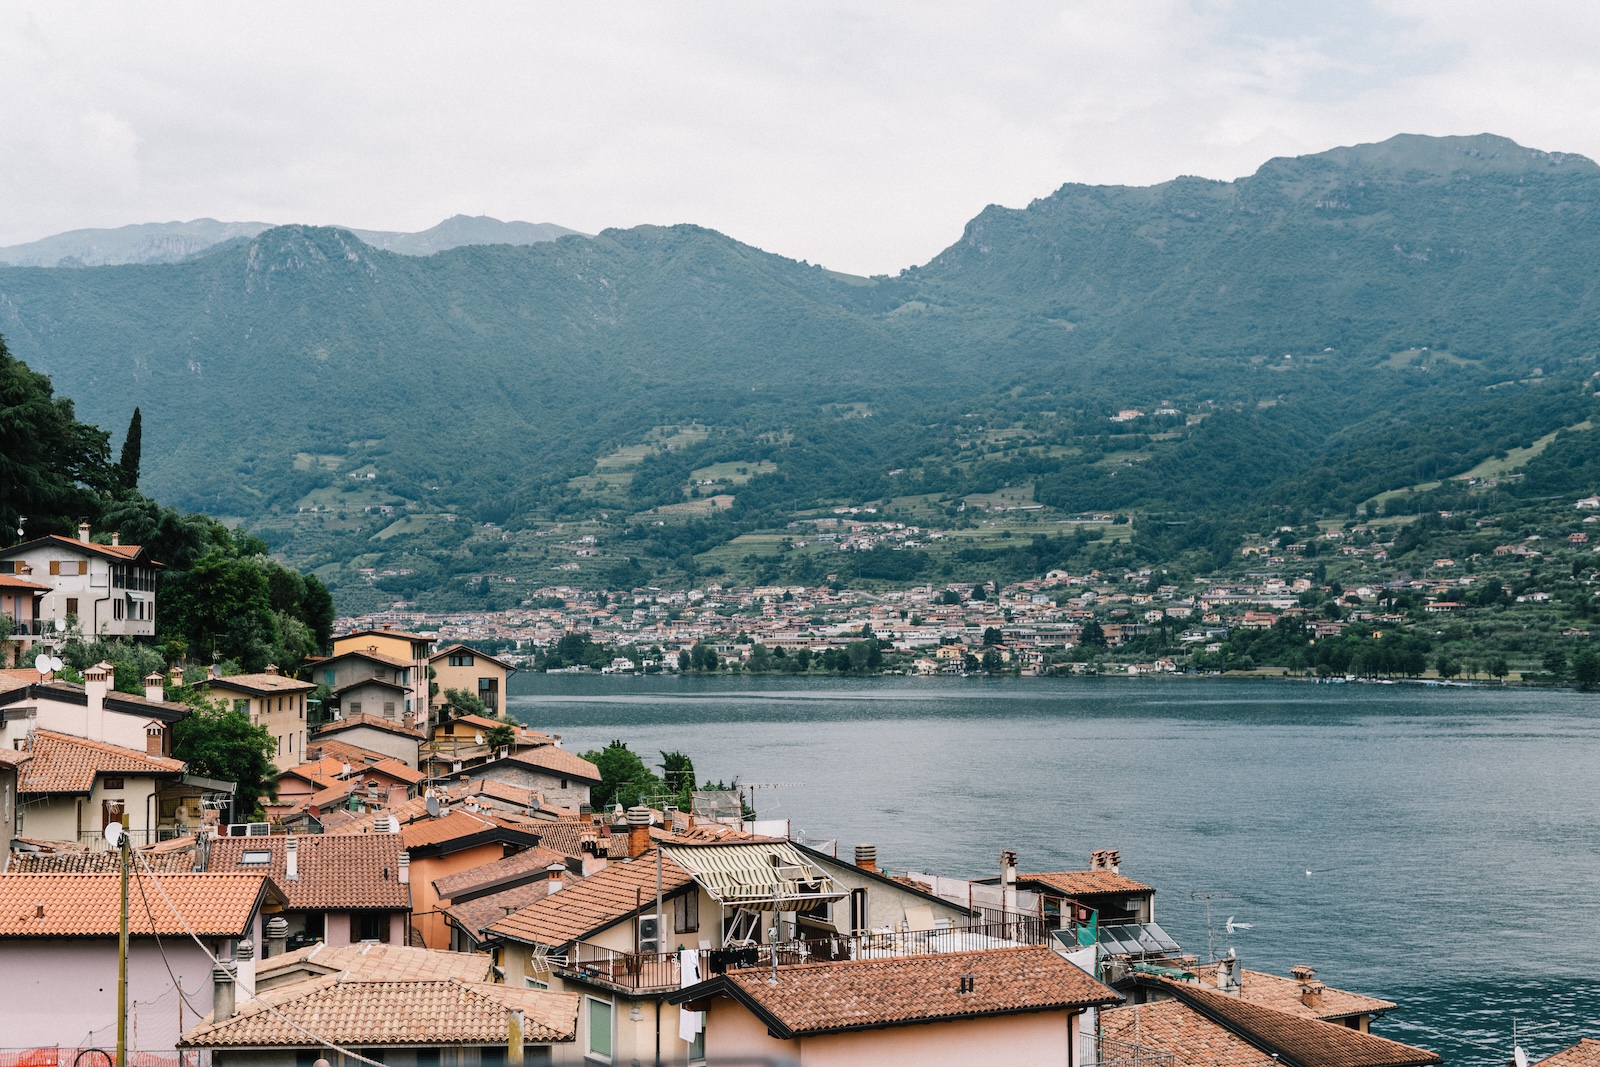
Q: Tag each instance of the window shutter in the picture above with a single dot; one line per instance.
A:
(383, 927)
(55, 566)
(355, 927)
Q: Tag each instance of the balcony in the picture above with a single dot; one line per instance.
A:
(653, 972)
(32, 628)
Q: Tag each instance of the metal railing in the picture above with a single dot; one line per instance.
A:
(662, 970)
(1109, 1052)
(51, 1056)
(95, 840)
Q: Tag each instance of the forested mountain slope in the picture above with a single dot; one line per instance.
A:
(1328, 328)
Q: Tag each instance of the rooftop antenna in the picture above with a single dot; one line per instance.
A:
(1519, 1056)
(1211, 951)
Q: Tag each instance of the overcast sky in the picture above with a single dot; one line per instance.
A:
(861, 135)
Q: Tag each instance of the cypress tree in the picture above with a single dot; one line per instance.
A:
(128, 465)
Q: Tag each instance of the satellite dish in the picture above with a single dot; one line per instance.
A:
(55, 663)
(41, 663)
(113, 833)
(1520, 1055)
(61, 625)
(433, 807)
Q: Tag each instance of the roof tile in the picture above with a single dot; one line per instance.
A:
(89, 905)
(341, 872)
(598, 901)
(62, 763)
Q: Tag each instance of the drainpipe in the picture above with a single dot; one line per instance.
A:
(514, 1039)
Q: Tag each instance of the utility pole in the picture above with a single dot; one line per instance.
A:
(122, 954)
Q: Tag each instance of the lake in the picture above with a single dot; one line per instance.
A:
(1435, 847)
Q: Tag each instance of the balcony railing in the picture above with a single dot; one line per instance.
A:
(638, 971)
(9, 627)
(1108, 1052)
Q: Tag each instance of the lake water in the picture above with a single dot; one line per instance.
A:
(1435, 847)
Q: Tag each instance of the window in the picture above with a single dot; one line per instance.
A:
(427, 1057)
(355, 707)
(328, 677)
(255, 856)
(118, 609)
(369, 926)
(8, 566)
(598, 1044)
(697, 1047)
(388, 709)
(534, 983)
(686, 913)
(858, 911)
(564, 783)
(291, 744)
(280, 746)
(460, 659)
(112, 782)
(72, 605)
(242, 706)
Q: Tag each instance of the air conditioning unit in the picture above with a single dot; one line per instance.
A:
(649, 934)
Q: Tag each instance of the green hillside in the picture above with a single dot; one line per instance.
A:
(1318, 334)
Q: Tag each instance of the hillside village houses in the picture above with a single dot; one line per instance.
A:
(106, 589)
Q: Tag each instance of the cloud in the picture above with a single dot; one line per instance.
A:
(859, 136)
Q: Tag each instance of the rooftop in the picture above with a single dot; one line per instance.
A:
(89, 905)
(374, 1013)
(601, 900)
(479, 913)
(1585, 1053)
(1292, 1039)
(89, 548)
(376, 962)
(62, 763)
(377, 722)
(74, 861)
(520, 865)
(346, 871)
(1284, 994)
(1085, 883)
(818, 998)
(267, 683)
(557, 761)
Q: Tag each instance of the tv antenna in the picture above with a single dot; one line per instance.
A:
(1211, 951)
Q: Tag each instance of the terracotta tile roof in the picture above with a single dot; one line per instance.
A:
(488, 787)
(397, 769)
(368, 654)
(1173, 1027)
(1296, 1040)
(11, 581)
(343, 823)
(816, 998)
(479, 913)
(259, 683)
(74, 862)
(1283, 994)
(318, 772)
(450, 650)
(340, 872)
(333, 748)
(88, 548)
(444, 1012)
(525, 734)
(1085, 883)
(377, 722)
(566, 835)
(373, 961)
(12, 678)
(446, 827)
(1585, 1053)
(11, 758)
(89, 905)
(529, 861)
(62, 763)
(601, 900)
(557, 761)
(404, 635)
(125, 703)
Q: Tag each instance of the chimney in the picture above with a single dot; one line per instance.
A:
(272, 668)
(83, 532)
(155, 738)
(155, 686)
(244, 961)
(514, 1039)
(277, 931)
(1008, 869)
(222, 992)
(1311, 994)
(867, 857)
(291, 859)
(96, 680)
(405, 868)
(116, 538)
(1113, 861)
(638, 830)
(1228, 975)
(554, 875)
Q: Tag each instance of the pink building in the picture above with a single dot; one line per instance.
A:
(1020, 1005)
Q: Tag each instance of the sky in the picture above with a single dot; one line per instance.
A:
(861, 136)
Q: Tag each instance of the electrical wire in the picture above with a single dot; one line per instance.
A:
(176, 983)
(318, 1038)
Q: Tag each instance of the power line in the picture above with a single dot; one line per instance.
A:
(319, 1039)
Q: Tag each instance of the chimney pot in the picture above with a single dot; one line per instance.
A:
(38, 911)
(83, 532)
(222, 991)
(116, 538)
(638, 830)
(867, 857)
(405, 868)
(1311, 994)
(155, 686)
(291, 859)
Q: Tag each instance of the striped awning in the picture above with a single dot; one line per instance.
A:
(761, 876)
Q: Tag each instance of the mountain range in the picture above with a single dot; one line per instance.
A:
(169, 242)
(1330, 328)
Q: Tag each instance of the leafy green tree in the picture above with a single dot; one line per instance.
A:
(52, 467)
(863, 656)
(219, 742)
(1555, 664)
(991, 662)
(464, 702)
(685, 660)
(132, 449)
(1447, 667)
(1093, 635)
(677, 772)
(1498, 667)
(500, 736)
(624, 778)
(703, 657)
(980, 592)
(993, 636)
(1586, 670)
(131, 660)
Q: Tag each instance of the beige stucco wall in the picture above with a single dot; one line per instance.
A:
(1036, 1039)
(112, 727)
(448, 677)
(61, 818)
(399, 746)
